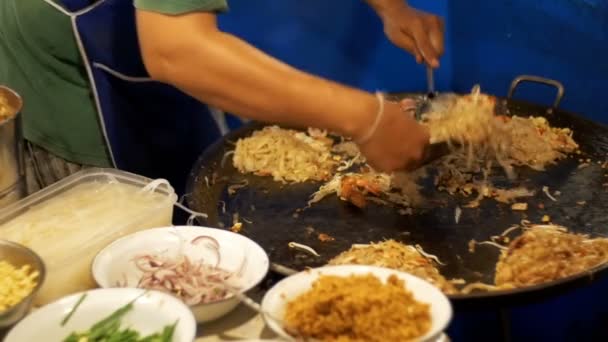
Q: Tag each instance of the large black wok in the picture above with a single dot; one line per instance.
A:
(267, 209)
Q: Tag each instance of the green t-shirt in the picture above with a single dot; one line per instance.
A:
(40, 60)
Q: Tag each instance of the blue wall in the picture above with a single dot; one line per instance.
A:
(566, 40)
(488, 42)
(339, 39)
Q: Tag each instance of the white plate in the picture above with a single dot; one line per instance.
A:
(238, 254)
(276, 299)
(151, 312)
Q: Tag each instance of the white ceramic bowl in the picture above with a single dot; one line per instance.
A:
(276, 299)
(152, 311)
(114, 263)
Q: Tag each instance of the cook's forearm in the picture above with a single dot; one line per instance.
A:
(230, 74)
(224, 71)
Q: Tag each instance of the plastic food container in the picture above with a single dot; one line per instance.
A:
(68, 223)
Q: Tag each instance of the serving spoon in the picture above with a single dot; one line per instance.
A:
(252, 304)
(430, 94)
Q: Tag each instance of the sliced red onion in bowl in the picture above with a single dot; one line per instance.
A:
(194, 282)
(202, 238)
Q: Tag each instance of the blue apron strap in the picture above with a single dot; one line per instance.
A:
(153, 129)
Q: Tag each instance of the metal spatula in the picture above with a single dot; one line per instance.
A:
(430, 94)
(430, 82)
(435, 150)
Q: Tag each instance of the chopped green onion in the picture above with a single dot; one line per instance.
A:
(109, 329)
(69, 315)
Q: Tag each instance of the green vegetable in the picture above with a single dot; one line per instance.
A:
(165, 336)
(72, 338)
(109, 329)
(69, 315)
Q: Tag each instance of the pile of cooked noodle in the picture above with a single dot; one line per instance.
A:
(480, 141)
(398, 256)
(354, 187)
(542, 253)
(367, 185)
(292, 156)
(470, 122)
(534, 143)
(518, 141)
(464, 120)
(547, 252)
(286, 155)
(357, 308)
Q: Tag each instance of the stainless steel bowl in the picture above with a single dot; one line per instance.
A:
(19, 255)
(12, 167)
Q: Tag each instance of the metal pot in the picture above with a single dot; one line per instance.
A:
(12, 168)
(19, 255)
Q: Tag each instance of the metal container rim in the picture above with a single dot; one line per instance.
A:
(39, 266)
(15, 100)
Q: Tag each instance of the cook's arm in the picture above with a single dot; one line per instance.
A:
(191, 53)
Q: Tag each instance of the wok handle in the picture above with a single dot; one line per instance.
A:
(538, 79)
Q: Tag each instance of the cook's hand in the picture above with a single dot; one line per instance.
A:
(399, 142)
(417, 32)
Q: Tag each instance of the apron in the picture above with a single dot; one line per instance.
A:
(150, 128)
